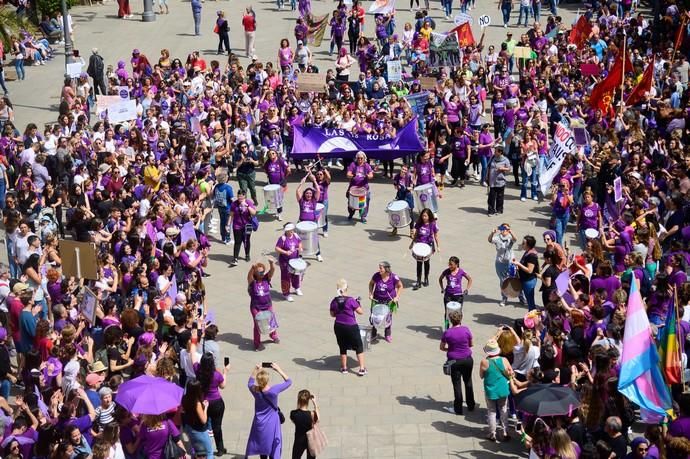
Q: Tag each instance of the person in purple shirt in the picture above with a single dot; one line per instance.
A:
(456, 342)
(343, 308)
(425, 232)
(453, 275)
(307, 201)
(212, 381)
(323, 179)
(260, 298)
(385, 288)
(485, 150)
(605, 279)
(460, 147)
(22, 432)
(423, 169)
(289, 247)
(241, 212)
(403, 183)
(588, 217)
(277, 171)
(154, 433)
(359, 173)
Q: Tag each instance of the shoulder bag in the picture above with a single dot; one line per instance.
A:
(171, 449)
(316, 440)
(281, 416)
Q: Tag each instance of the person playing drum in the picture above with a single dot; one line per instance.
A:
(423, 172)
(359, 173)
(241, 212)
(453, 290)
(289, 247)
(277, 170)
(385, 288)
(343, 308)
(307, 201)
(323, 178)
(403, 182)
(260, 295)
(425, 232)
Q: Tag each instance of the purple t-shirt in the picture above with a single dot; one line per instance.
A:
(610, 284)
(275, 171)
(680, 428)
(425, 232)
(485, 138)
(589, 216)
(323, 188)
(240, 213)
(288, 243)
(454, 281)
(307, 210)
(459, 340)
(214, 387)
(425, 173)
(260, 294)
(359, 174)
(153, 440)
(344, 308)
(384, 291)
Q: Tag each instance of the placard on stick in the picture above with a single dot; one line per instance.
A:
(79, 259)
(311, 82)
(522, 52)
(427, 82)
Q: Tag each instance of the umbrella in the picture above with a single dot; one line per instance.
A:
(149, 395)
(547, 400)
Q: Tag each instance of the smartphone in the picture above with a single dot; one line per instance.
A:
(266, 364)
(226, 361)
(518, 426)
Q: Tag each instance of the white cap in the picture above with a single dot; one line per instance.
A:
(289, 227)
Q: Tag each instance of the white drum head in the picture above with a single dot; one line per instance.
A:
(397, 206)
(319, 207)
(421, 249)
(306, 227)
(298, 264)
(453, 306)
(358, 191)
(591, 233)
(423, 188)
(272, 187)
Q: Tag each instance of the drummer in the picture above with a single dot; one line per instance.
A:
(277, 171)
(424, 168)
(359, 173)
(289, 247)
(385, 288)
(425, 232)
(403, 182)
(343, 309)
(241, 212)
(453, 276)
(307, 201)
(260, 294)
(323, 178)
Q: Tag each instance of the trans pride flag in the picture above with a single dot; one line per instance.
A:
(640, 378)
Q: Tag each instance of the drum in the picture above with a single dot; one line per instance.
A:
(380, 316)
(421, 251)
(297, 266)
(425, 195)
(452, 306)
(265, 322)
(321, 214)
(365, 333)
(591, 233)
(511, 287)
(399, 215)
(273, 196)
(309, 233)
(357, 198)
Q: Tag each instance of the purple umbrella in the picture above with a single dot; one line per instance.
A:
(149, 395)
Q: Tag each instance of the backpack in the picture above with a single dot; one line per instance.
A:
(220, 197)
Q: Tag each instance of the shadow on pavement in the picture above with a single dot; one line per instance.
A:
(332, 363)
(434, 333)
(474, 210)
(242, 343)
(489, 318)
(480, 299)
(427, 403)
(380, 235)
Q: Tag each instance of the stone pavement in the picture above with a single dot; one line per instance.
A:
(397, 409)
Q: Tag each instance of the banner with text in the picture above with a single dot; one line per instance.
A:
(563, 144)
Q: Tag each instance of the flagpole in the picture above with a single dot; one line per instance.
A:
(625, 58)
(676, 44)
(679, 351)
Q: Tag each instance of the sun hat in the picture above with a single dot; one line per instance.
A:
(491, 348)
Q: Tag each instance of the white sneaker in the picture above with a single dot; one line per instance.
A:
(523, 199)
(319, 258)
(325, 234)
(502, 304)
(289, 298)
(534, 198)
(280, 217)
(298, 292)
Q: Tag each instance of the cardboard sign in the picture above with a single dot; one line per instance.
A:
(104, 103)
(462, 18)
(74, 69)
(589, 70)
(394, 71)
(618, 189)
(427, 82)
(123, 92)
(484, 20)
(124, 110)
(79, 259)
(522, 52)
(88, 305)
(311, 82)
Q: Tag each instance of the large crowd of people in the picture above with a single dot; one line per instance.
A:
(145, 193)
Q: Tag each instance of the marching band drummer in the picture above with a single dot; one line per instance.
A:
(259, 287)
(403, 182)
(385, 288)
(423, 172)
(359, 173)
(425, 232)
(289, 246)
(277, 170)
(453, 276)
(307, 201)
(323, 178)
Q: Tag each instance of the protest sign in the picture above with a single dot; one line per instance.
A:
(311, 82)
(394, 71)
(563, 144)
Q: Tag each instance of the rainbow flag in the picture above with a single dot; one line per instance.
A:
(640, 378)
(362, 202)
(669, 348)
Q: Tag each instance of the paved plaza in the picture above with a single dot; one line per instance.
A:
(397, 409)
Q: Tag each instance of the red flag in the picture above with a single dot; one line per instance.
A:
(645, 85)
(603, 92)
(580, 31)
(464, 32)
(680, 35)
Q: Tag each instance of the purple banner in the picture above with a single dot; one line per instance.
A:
(310, 142)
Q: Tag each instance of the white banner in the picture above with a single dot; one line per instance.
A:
(563, 144)
(125, 110)
(394, 71)
(462, 18)
(382, 7)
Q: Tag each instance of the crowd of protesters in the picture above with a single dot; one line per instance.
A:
(133, 188)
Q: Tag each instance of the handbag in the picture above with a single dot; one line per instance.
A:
(215, 28)
(316, 440)
(447, 367)
(171, 449)
(281, 416)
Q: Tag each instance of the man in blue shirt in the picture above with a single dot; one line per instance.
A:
(598, 46)
(222, 198)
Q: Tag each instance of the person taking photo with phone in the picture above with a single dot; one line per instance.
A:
(304, 420)
(212, 381)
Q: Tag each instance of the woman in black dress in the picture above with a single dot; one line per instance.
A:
(304, 419)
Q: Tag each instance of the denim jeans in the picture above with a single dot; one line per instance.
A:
(5, 386)
(506, 10)
(536, 9)
(201, 441)
(502, 273)
(325, 209)
(528, 292)
(224, 218)
(197, 22)
(4, 88)
(533, 182)
(527, 10)
(448, 7)
(19, 68)
(484, 161)
(561, 226)
(553, 5)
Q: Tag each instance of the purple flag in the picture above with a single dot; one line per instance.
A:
(187, 232)
(310, 142)
(151, 232)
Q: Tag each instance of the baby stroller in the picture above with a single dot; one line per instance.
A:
(47, 224)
